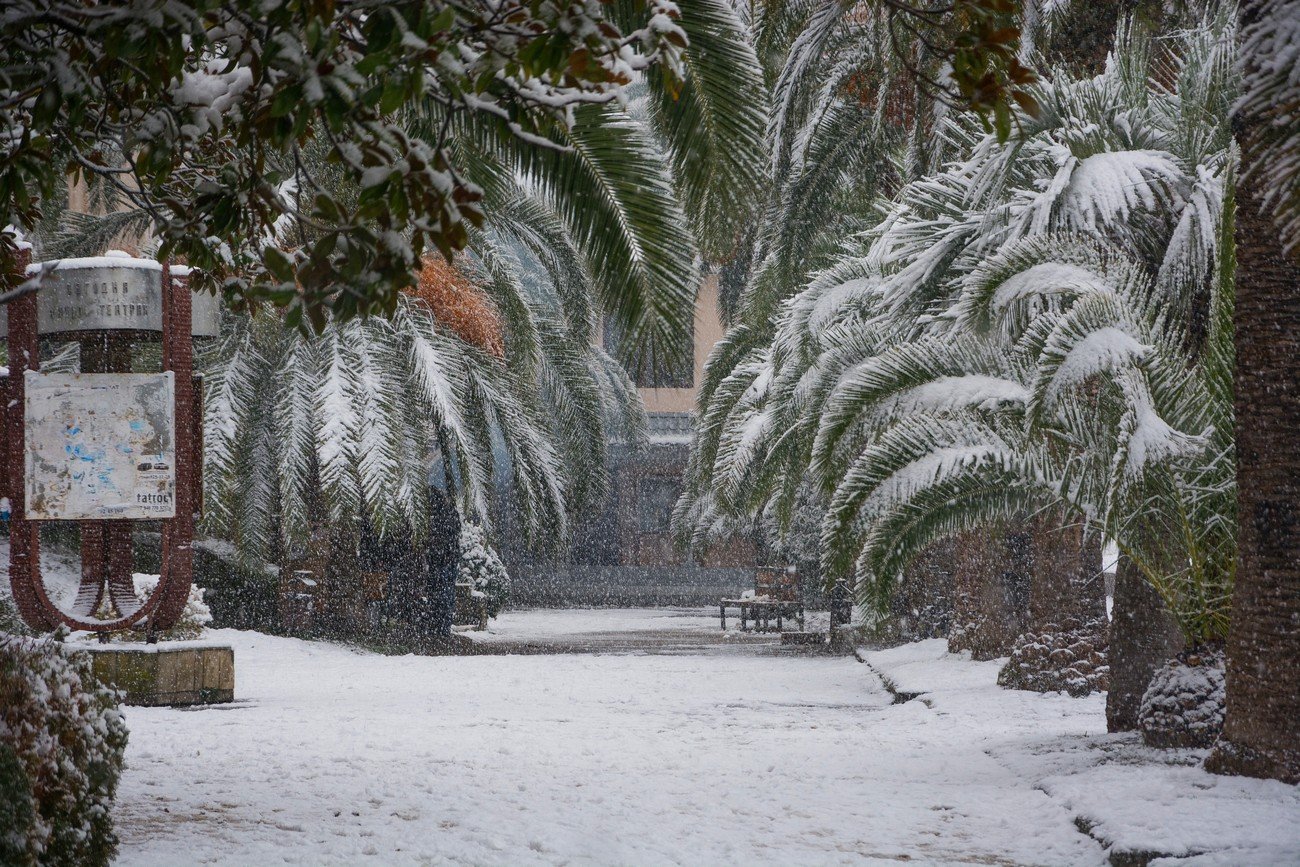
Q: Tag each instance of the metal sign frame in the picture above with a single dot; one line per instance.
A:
(106, 557)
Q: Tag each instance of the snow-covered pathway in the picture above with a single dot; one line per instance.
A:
(337, 756)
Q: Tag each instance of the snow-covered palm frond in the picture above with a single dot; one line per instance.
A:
(898, 471)
(337, 436)
(1095, 193)
(929, 376)
(230, 391)
(295, 420)
(713, 125)
(613, 188)
(800, 76)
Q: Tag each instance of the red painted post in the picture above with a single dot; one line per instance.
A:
(24, 535)
(178, 532)
(4, 457)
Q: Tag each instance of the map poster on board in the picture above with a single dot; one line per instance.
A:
(100, 446)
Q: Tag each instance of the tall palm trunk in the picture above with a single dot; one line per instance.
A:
(988, 611)
(1065, 577)
(1143, 636)
(1261, 733)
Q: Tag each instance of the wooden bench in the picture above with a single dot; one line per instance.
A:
(470, 607)
(777, 594)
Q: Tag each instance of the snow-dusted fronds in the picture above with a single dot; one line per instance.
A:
(1043, 322)
(611, 173)
(337, 447)
(916, 468)
(624, 414)
(799, 78)
(929, 376)
(1071, 358)
(295, 420)
(1011, 290)
(1144, 437)
(849, 290)
(307, 431)
(1193, 247)
(380, 438)
(230, 395)
(530, 221)
(744, 435)
(1103, 190)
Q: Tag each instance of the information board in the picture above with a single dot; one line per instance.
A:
(100, 446)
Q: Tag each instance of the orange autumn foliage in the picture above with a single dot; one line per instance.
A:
(460, 305)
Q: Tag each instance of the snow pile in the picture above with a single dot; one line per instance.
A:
(1136, 802)
(1183, 705)
(1137, 805)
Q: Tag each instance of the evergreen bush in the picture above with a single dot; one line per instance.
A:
(481, 566)
(62, 740)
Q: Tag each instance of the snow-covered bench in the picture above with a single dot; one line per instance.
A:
(776, 594)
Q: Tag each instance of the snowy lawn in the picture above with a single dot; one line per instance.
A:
(1134, 799)
(335, 756)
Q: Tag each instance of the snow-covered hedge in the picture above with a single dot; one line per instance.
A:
(194, 618)
(61, 744)
(480, 566)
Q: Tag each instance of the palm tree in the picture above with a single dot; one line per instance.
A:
(1261, 733)
(590, 219)
(1016, 335)
(854, 110)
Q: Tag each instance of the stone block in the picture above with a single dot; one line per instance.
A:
(172, 674)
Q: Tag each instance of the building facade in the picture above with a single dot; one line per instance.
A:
(624, 552)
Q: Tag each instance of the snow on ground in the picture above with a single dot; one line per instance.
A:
(540, 624)
(60, 569)
(336, 756)
(1132, 798)
(532, 624)
(725, 751)
(621, 630)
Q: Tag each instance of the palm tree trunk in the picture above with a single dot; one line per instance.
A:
(1261, 733)
(987, 611)
(1143, 636)
(1062, 644)
(1065, 576)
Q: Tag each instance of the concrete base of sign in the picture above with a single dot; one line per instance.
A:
(173, 674)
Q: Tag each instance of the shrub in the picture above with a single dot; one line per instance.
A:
(195, 616)
(10, 620)
(480, 566)
(62, 738)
